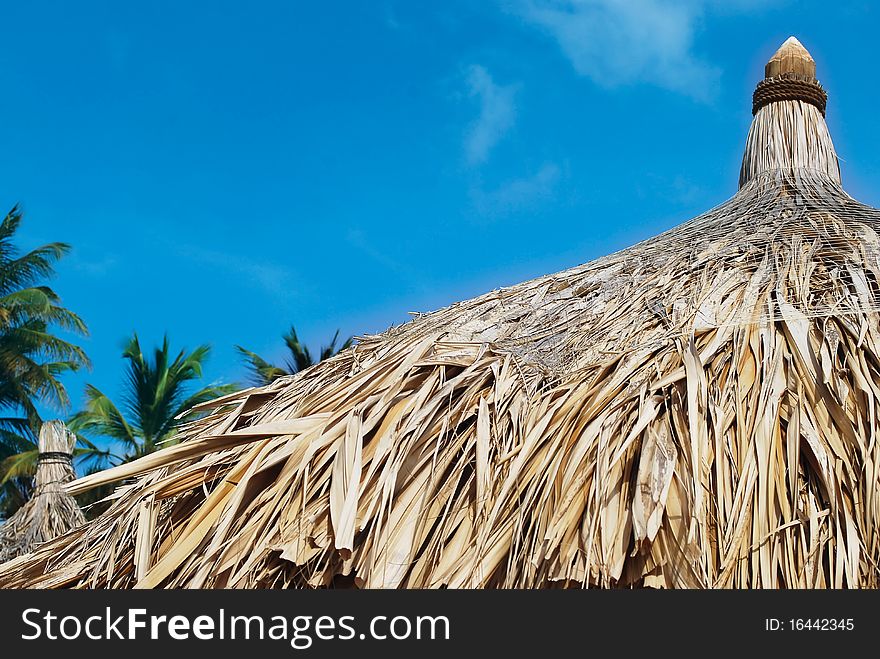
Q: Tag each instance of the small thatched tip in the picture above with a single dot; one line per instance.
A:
(51, 511)
(791, 57)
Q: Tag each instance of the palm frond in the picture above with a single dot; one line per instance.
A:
(102, 417)
(21, 465)
(261, 371)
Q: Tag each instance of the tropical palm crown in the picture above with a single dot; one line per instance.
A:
(158, 396)
(300, 358)
(32, 356)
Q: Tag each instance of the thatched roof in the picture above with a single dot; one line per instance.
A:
(699, 410)
(51, 511)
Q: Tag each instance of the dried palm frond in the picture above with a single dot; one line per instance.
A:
(699, 410)
(51, 511)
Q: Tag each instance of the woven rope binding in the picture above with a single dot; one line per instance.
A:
(789, 88)
(54, 456)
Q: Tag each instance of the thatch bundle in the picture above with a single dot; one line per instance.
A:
(51, 511)
(699, 410)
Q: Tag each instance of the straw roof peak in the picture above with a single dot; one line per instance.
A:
(791, 57)
(789, 133)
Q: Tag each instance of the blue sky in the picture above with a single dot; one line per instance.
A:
(225, 169)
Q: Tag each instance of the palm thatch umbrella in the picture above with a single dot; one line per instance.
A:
(699, 410)
(51, 511)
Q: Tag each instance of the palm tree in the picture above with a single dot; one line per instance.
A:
(32, 357)
(264, 372)
(157, 398)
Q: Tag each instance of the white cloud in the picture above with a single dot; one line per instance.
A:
(618, 42)
(497, 114)
(272, 277)
(391, 21)
(99, 266)
(358, 239)
(518, 194)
